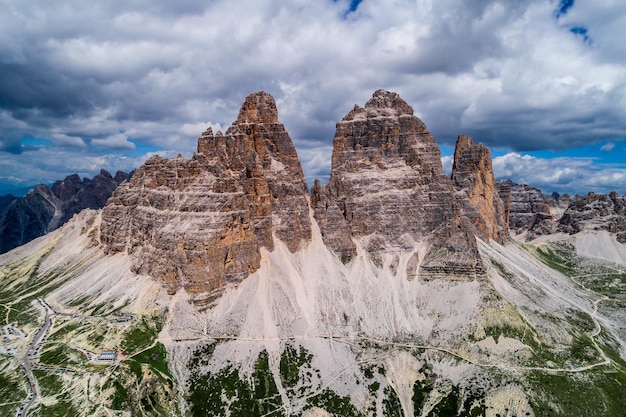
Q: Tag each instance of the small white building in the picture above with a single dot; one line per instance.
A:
(107, 355)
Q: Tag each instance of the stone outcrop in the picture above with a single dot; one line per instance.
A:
(202, 222)
(530, 212)
(596, 212)
(387, 190)
(472, 173)
(45, 209)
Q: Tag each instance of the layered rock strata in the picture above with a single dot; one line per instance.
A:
(387, 190)
(200, 223)
(530, 212)
(596, 212)
(472, 173)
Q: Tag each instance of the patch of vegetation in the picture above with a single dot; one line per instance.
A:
(292, 363)
(225, 393)
(143, 385)
(24, 314)
(594, 394)
(583, 351)
(201, 356)
(559, 256)
(59, 354)
(142, 334)
(503, 271)
(12, 388)
(373, 387)
(599, 276)
(421, 391)
(510, 332)
(391, 403)
(345, 259)
(333, 403)
(120, 396)
(581, 320)
(61, 331)
(53, 386)
(155, 357)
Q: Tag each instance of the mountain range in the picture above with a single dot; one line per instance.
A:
(44, 208)
(392, 290)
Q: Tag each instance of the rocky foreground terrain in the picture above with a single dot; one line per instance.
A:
(393, 290)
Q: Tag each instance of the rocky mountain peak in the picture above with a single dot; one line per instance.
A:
(387, 189)
(472, 172)
(382, 104)
(259, 107)
(202, 222)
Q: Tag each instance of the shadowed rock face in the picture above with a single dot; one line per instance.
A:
(387, 188)
(45, 209)
(199, 223)
(472, 173)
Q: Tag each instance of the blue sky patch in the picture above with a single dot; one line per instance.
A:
(582, 32)
(564, 6)
(354, 4)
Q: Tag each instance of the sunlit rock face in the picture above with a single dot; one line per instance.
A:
(387, 190)
(472, 173)
(200, 223)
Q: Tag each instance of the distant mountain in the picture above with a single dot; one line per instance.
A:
(5, 200)
(45, 208)
(533, 214)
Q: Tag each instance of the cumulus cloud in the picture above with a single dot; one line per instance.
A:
(607, 147)
(515, 75)
(563, 175)
(117, 142)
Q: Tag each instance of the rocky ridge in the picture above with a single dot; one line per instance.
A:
(595, 212)
(533, 214)
(200, 223)
(45, 209)
(387, 189)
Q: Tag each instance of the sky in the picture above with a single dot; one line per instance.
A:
(91, 85)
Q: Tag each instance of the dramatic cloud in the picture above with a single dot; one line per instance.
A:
(120, 79)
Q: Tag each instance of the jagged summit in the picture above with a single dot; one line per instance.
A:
(259, 107)
(472, 172)
(200, 223)
(382, 104)
(387, 190)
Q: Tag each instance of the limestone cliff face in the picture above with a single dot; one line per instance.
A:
(530, 211)
(387, 189)
(596, 212)
(201, 222)
(472, 173)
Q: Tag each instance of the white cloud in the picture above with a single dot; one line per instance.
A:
(506, 72)
(608, 147)
(563, 175)
(117, 142)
